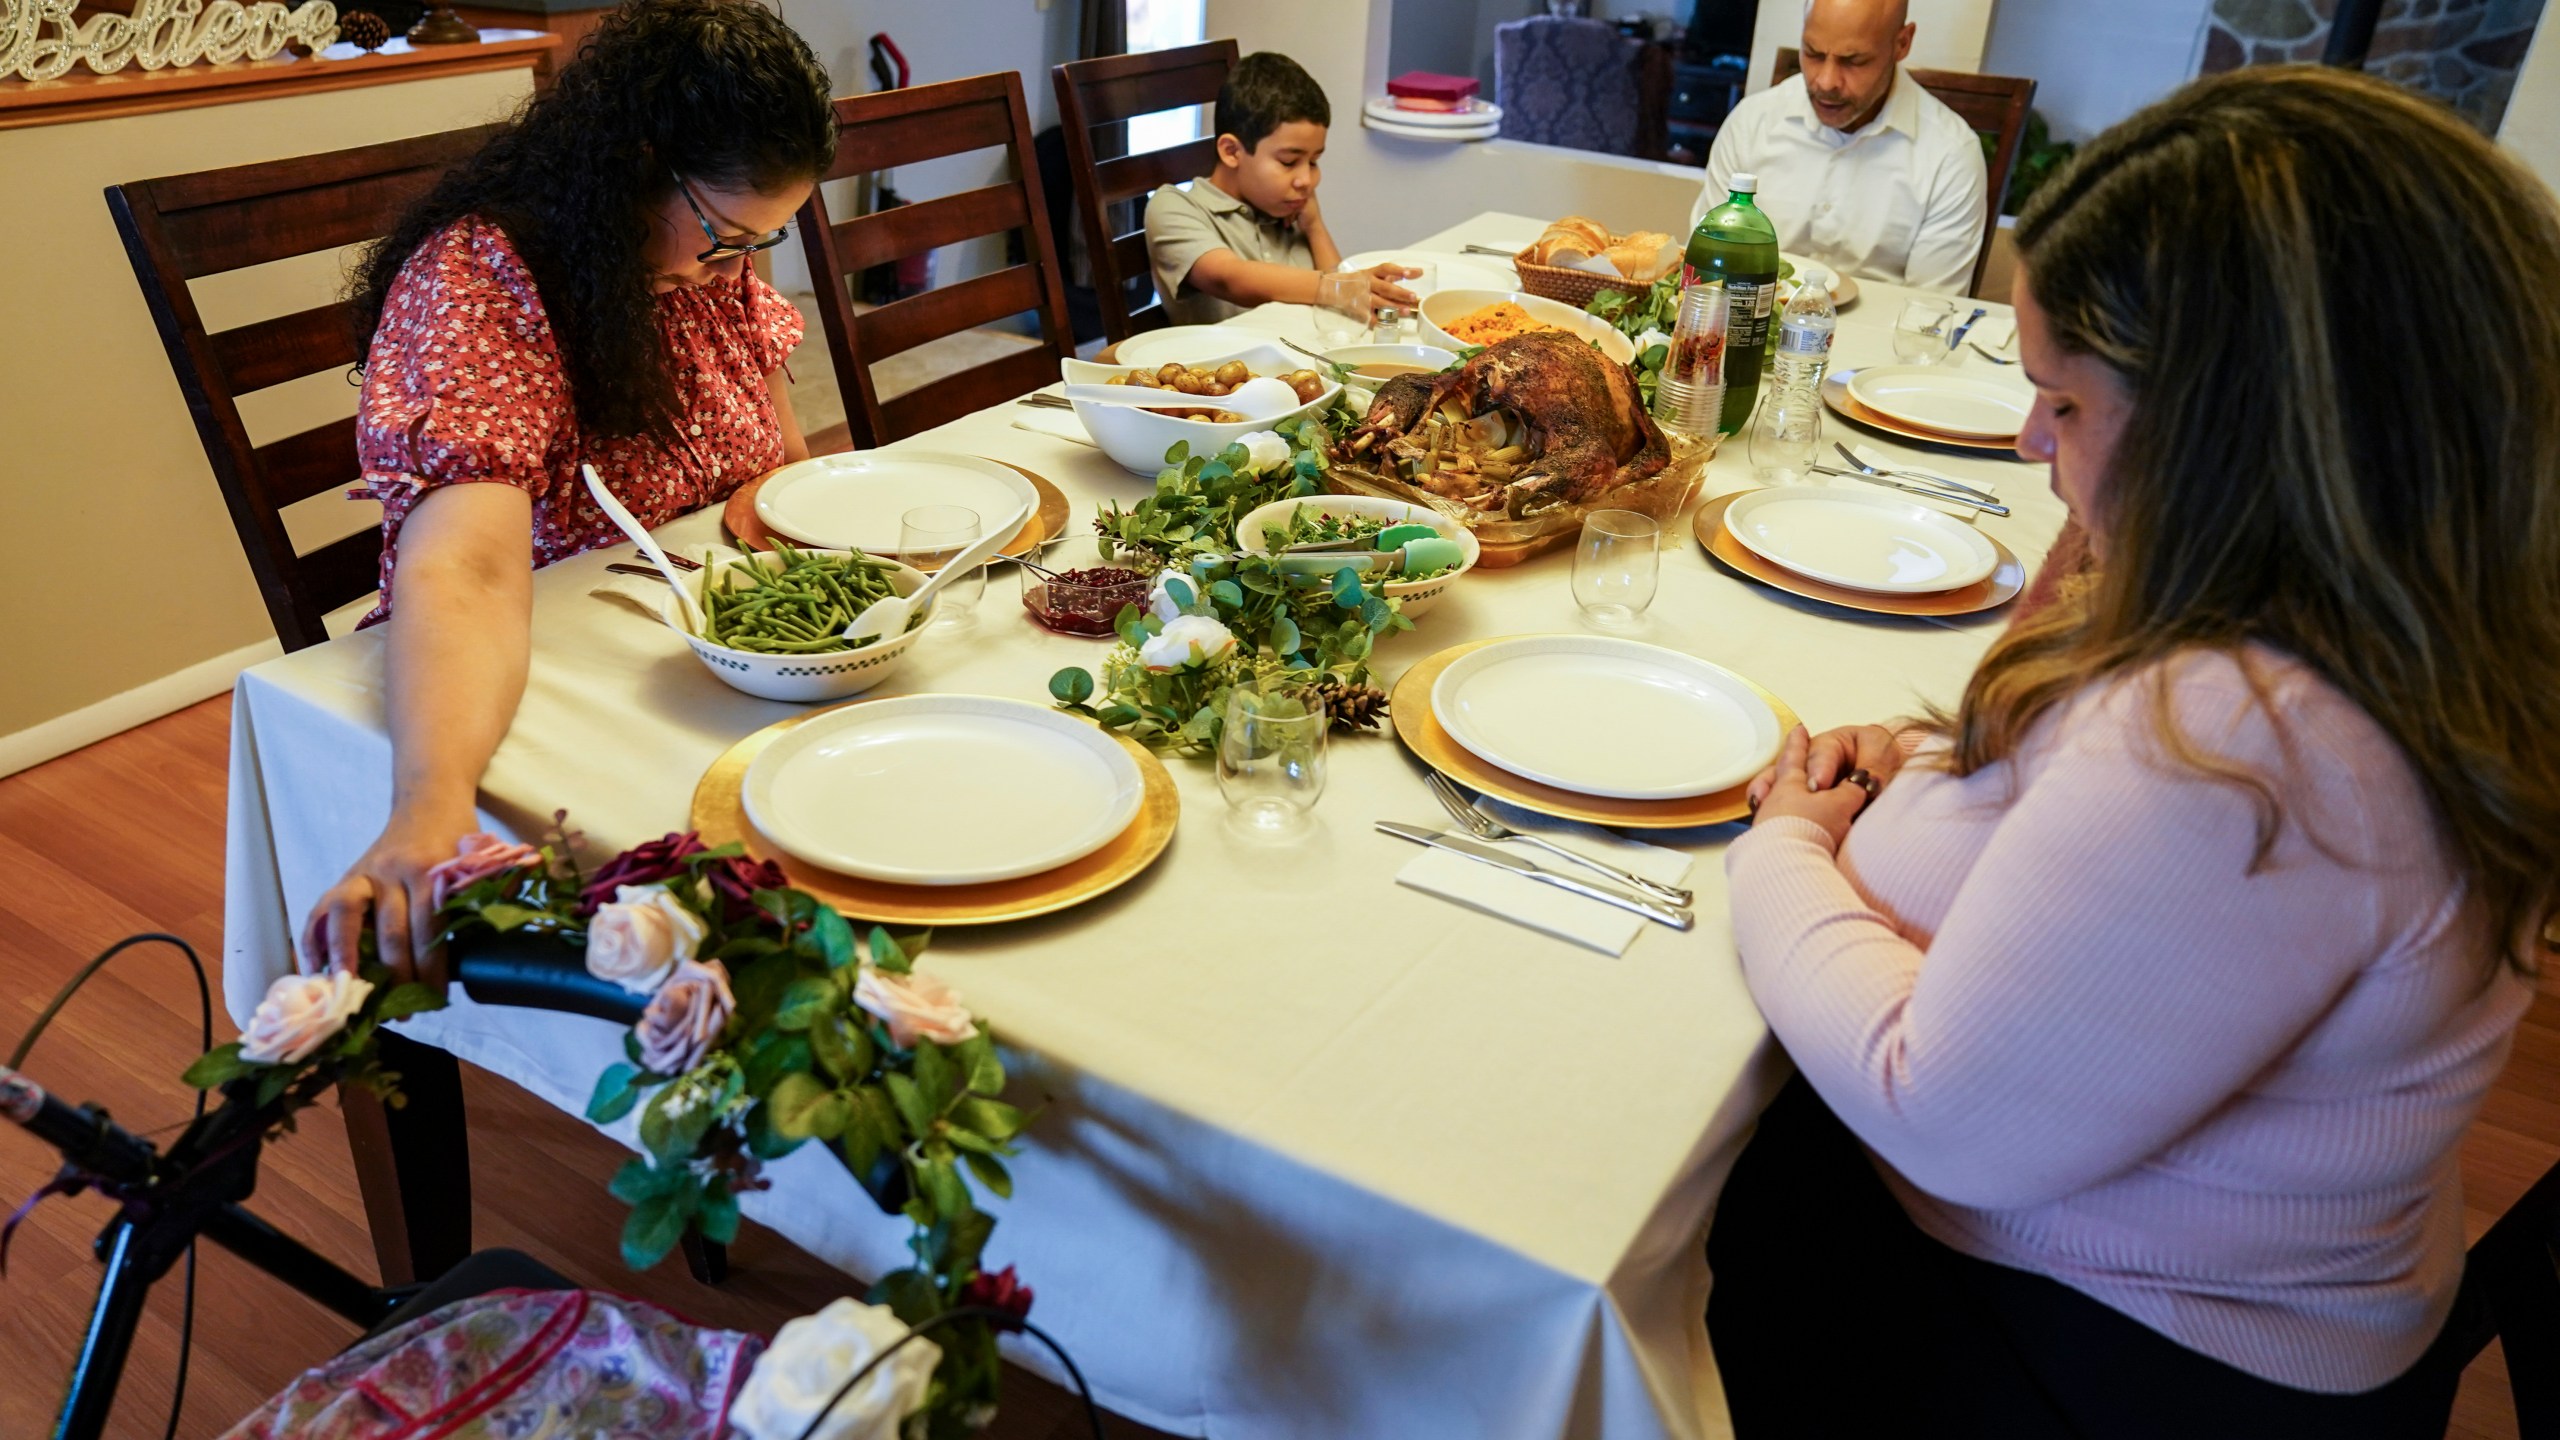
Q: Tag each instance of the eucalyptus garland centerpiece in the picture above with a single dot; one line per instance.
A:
(768, 1024)
(1217, 620)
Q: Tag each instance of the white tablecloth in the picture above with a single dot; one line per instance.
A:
(1320, 1155)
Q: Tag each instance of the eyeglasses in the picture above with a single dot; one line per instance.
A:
(725, 249)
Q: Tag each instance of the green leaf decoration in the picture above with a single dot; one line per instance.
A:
(910, 1102)
(806, 1108)
(991, 1173)
(887, 953)
(937, 1079)
(771, 1055)
(615, 1094)
(940, 1183)
(505, 916)
(719, 1217)
(217, 1065)
(842, 1047)
(834, 936)
(405, 1001)
(674, 1124)
(870, 1128)
(909, 1294)
(1227, 592)
(273, 1084)
(655, 1225)
(807, 999)
(1346, 588)
(1071, 686)
(980, 1063)
(992, 1118)
(637, 1180)
(763, 1141)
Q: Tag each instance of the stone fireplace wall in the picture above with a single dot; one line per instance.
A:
(2463, 52)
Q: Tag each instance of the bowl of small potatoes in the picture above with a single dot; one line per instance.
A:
(1139, 437)
(775, 620)
(1269, 527)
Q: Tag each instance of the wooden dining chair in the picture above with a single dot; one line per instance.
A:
(182, 228)
(1995, 106)
(1096, 99)
(2511, 1294)
(888, 129)
(413, 1163)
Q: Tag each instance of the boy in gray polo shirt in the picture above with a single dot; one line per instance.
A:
(1249, 232)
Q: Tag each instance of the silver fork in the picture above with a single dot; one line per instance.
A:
(1484, 827)
(1942, 481)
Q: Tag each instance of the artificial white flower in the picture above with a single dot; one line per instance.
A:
(1649, 339)
(1264, 451)
(812, 1358)
(1187, 640)
(299, 1013)
(636, 940)
(1160, 601)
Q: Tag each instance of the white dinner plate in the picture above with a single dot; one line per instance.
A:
(1814, 271)
(1447, 134)
(1479, 111)
(1602, 716)
(1184, 345)
(1951, 402)
(1455, 272)
(1873, 541)
(855, 501)
(943, 789)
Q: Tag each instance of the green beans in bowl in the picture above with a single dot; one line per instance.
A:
(775, 621)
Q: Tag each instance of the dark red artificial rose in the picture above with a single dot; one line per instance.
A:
(737, 879)
(659, 859)
(999, 1291)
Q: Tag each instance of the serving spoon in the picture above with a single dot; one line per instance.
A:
(648, 544)
(1260, 398)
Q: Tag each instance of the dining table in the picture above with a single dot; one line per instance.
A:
(1314, 1153)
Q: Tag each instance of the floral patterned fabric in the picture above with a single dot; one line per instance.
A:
(1567, 82)
(520, 1365)
(464, 385)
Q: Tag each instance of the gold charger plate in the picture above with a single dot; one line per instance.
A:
(740, 518)
(720, 814)
(1409, 705)
(2007, 578)
(1835, 393)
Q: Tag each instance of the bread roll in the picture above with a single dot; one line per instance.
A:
(1639, 256)
(1595, 236)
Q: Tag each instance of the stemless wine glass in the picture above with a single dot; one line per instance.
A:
(1616, 565)
(1271, 759)
(1343, 309)
(929, 535)
(1920, 333)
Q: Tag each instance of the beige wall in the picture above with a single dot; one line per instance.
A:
(2532, 124)
(126, 573)
(1951, 34)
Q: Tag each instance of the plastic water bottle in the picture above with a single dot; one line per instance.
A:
(1786, 436)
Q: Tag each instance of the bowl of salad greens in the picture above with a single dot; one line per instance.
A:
(1313, 518)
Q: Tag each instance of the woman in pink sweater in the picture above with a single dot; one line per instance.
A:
(2141, 1009)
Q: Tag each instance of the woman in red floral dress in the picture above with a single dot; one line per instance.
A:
(576, 294)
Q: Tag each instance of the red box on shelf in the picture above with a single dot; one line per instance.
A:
(1423, 90)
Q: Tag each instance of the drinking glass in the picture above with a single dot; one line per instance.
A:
(929, 535)
(1920, 334)
(1343, 309)
(1616, 565)
(1423, 284)
(1271, 759)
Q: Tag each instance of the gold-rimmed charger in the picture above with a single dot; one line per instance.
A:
(1835, 393)
(720, 814)
(2007, 578)
(1048, 523)
(1409, 705)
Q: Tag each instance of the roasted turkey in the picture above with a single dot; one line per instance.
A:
(1540, 420)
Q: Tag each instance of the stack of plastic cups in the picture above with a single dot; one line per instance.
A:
(1690, 394)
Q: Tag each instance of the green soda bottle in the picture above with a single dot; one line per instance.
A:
(1736, 243)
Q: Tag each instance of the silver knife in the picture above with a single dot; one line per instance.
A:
(1654, 911)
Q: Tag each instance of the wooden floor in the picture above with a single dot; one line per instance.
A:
(127, 836)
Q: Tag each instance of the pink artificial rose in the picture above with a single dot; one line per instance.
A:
(638, 938)
(299, 1015)
(915, 1006)
(476, 858)
(685, 1017)
(644, 864)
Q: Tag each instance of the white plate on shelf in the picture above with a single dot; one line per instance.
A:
(1952, 402)
(1454, 271)
(1183, 345)
(1602, 716)
(1874, 541)
(943, 789)
(1447, 134)
(1478, 112)
(855, 501)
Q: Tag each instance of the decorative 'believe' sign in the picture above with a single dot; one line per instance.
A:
(40, 39)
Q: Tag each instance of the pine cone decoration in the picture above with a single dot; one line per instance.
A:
(1352, 707)
(363, 29)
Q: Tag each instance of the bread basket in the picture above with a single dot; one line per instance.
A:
(1572, 287)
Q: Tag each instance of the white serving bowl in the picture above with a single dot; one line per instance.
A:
(1416, 595)
(1441, 307)
(828, 675)
(1138, 438)
(1363, 389)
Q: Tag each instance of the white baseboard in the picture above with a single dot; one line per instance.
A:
(117, 713)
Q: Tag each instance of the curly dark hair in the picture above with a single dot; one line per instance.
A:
(721, 91)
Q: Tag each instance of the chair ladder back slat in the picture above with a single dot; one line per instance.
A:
(288, 347)
(1099, 93)
(1135, 177)
(312, 462)
(891, 128)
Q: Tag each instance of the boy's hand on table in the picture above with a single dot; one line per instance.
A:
(1383, 289)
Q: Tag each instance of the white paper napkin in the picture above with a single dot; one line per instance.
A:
(1056, 424)
(1882, 461)
(1541, 906)
(1993, 333)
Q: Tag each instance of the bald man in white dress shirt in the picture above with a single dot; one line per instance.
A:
(1859, 167)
